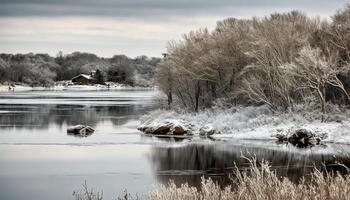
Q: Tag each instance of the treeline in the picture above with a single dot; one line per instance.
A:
(280, 60)
(44, 70)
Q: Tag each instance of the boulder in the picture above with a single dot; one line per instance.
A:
(141, 128)
(146, 129)
(300, 137)
(281, 137)
(207, 130)
(80, 130)
(178, 130)
(162, 130)
(169, 128)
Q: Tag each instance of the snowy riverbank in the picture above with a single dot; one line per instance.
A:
(258, 122)
(67, 85)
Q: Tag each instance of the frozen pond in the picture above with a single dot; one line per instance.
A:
(38, 160)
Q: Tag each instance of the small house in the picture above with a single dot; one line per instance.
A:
(83, 79)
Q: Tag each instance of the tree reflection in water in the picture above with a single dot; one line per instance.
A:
(188, 163)
(41, 116)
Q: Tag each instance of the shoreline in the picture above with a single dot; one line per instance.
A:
(252, 123)
(63, 86)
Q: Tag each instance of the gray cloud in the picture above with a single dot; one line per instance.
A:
(154, 8)
(133, 27)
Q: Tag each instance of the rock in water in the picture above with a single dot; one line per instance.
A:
(80, 130)
(301, 135)
(166, 127)
(162, 129)
(75, 129)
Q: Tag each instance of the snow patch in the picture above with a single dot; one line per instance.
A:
(256, 122)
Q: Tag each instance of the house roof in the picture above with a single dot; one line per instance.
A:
(83, 75)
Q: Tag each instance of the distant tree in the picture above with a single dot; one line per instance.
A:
(141, 59)
(102, 65)
(5, 70)
(26, 68)
(99, 77)
(41, 76)
(121, 70)
(59, 58)
(73, 64)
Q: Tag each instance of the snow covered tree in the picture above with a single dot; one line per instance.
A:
(315, 71)
(274, 41)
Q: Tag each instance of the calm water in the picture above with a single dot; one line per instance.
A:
(38, 160)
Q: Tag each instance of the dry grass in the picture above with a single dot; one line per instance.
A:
(258, 182)
(87, 194)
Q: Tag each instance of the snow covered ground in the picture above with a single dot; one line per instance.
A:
(67, 85)
(260, 122)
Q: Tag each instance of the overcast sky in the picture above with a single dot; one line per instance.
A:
(130, 27)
